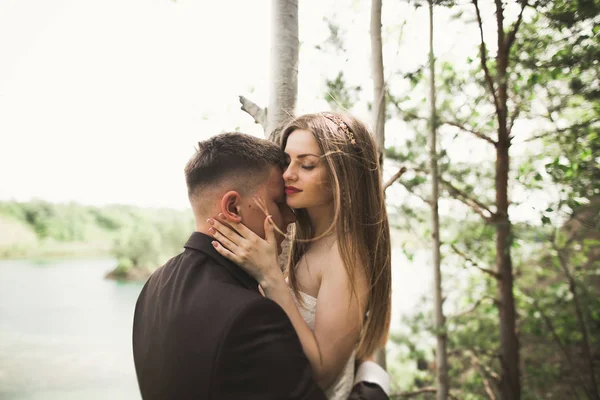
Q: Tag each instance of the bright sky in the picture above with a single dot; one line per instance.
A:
(103, 101)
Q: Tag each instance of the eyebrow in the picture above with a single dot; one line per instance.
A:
(304, 155)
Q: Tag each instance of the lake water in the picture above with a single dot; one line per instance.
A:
(65, 331)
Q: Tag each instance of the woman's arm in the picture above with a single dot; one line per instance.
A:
(338, 315)
(338, 318)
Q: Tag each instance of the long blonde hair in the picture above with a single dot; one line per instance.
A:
(360, 217)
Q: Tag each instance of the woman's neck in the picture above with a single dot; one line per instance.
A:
(321, 219)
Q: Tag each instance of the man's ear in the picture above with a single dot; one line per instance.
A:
(230, 206)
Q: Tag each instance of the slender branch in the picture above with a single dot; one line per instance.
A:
(562, 130)
(513, 118)
(460, 195)
(483, 54)
(484, 373)
(476, 133)
(409, 114)
(474, 264)
(477, 350)
(475, 204)
(454, 124)
(468, 311)
(259, 114)
(423, 199)
(513, 33)
(490, 372)
(492, 354)
(394, 178)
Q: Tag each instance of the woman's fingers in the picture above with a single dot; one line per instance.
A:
(242, 229)
(225, 253)
(225, 231)
(224, 240)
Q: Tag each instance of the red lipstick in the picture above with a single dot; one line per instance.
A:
(291, 190)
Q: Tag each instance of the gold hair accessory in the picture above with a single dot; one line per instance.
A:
(343, 126)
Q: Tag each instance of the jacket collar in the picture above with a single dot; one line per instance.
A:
(201, 242)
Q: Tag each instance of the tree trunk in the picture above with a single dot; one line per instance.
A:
(509, 343)
(441, 354)
(283, 91)
(378, 82)
(510, 385)
(284, 64)
(378, 104)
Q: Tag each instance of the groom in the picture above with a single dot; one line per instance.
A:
(201, 328)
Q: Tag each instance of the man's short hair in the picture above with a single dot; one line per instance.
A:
(233, 156)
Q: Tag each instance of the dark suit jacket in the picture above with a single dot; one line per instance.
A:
(201, 330)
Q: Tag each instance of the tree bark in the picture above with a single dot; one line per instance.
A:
(378, 81)
(284, 64)
(510, 385)
(440, 320)
(378, 103)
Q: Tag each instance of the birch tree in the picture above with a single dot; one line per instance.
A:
(442, 384)
(283, 90)
(378, 80)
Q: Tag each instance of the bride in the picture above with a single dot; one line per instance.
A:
(337, 285)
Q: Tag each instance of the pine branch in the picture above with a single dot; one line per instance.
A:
(483, 55)
(513, 118)
(460, 195)
(423, 199)
(485, 372)
(562, 130)
(474, 264)
(475, 204)
(474, 132)
(468, 311)
(513, 33)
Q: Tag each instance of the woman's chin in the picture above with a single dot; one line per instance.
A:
(293, 203)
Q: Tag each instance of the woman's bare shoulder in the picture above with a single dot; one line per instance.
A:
(336, 268)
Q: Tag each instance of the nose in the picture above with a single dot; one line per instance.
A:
(289, 174)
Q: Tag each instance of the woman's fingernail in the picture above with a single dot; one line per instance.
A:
(215, 244)
(210, 221)
(212, 230)
(221, 216)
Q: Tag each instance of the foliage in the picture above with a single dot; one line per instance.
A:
(554, 102)
(136, 237)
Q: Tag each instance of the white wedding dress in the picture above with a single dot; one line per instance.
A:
(342, 386)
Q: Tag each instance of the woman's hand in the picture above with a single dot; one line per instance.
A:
(257, 256)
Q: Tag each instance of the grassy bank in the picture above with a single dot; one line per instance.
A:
(139, 238)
